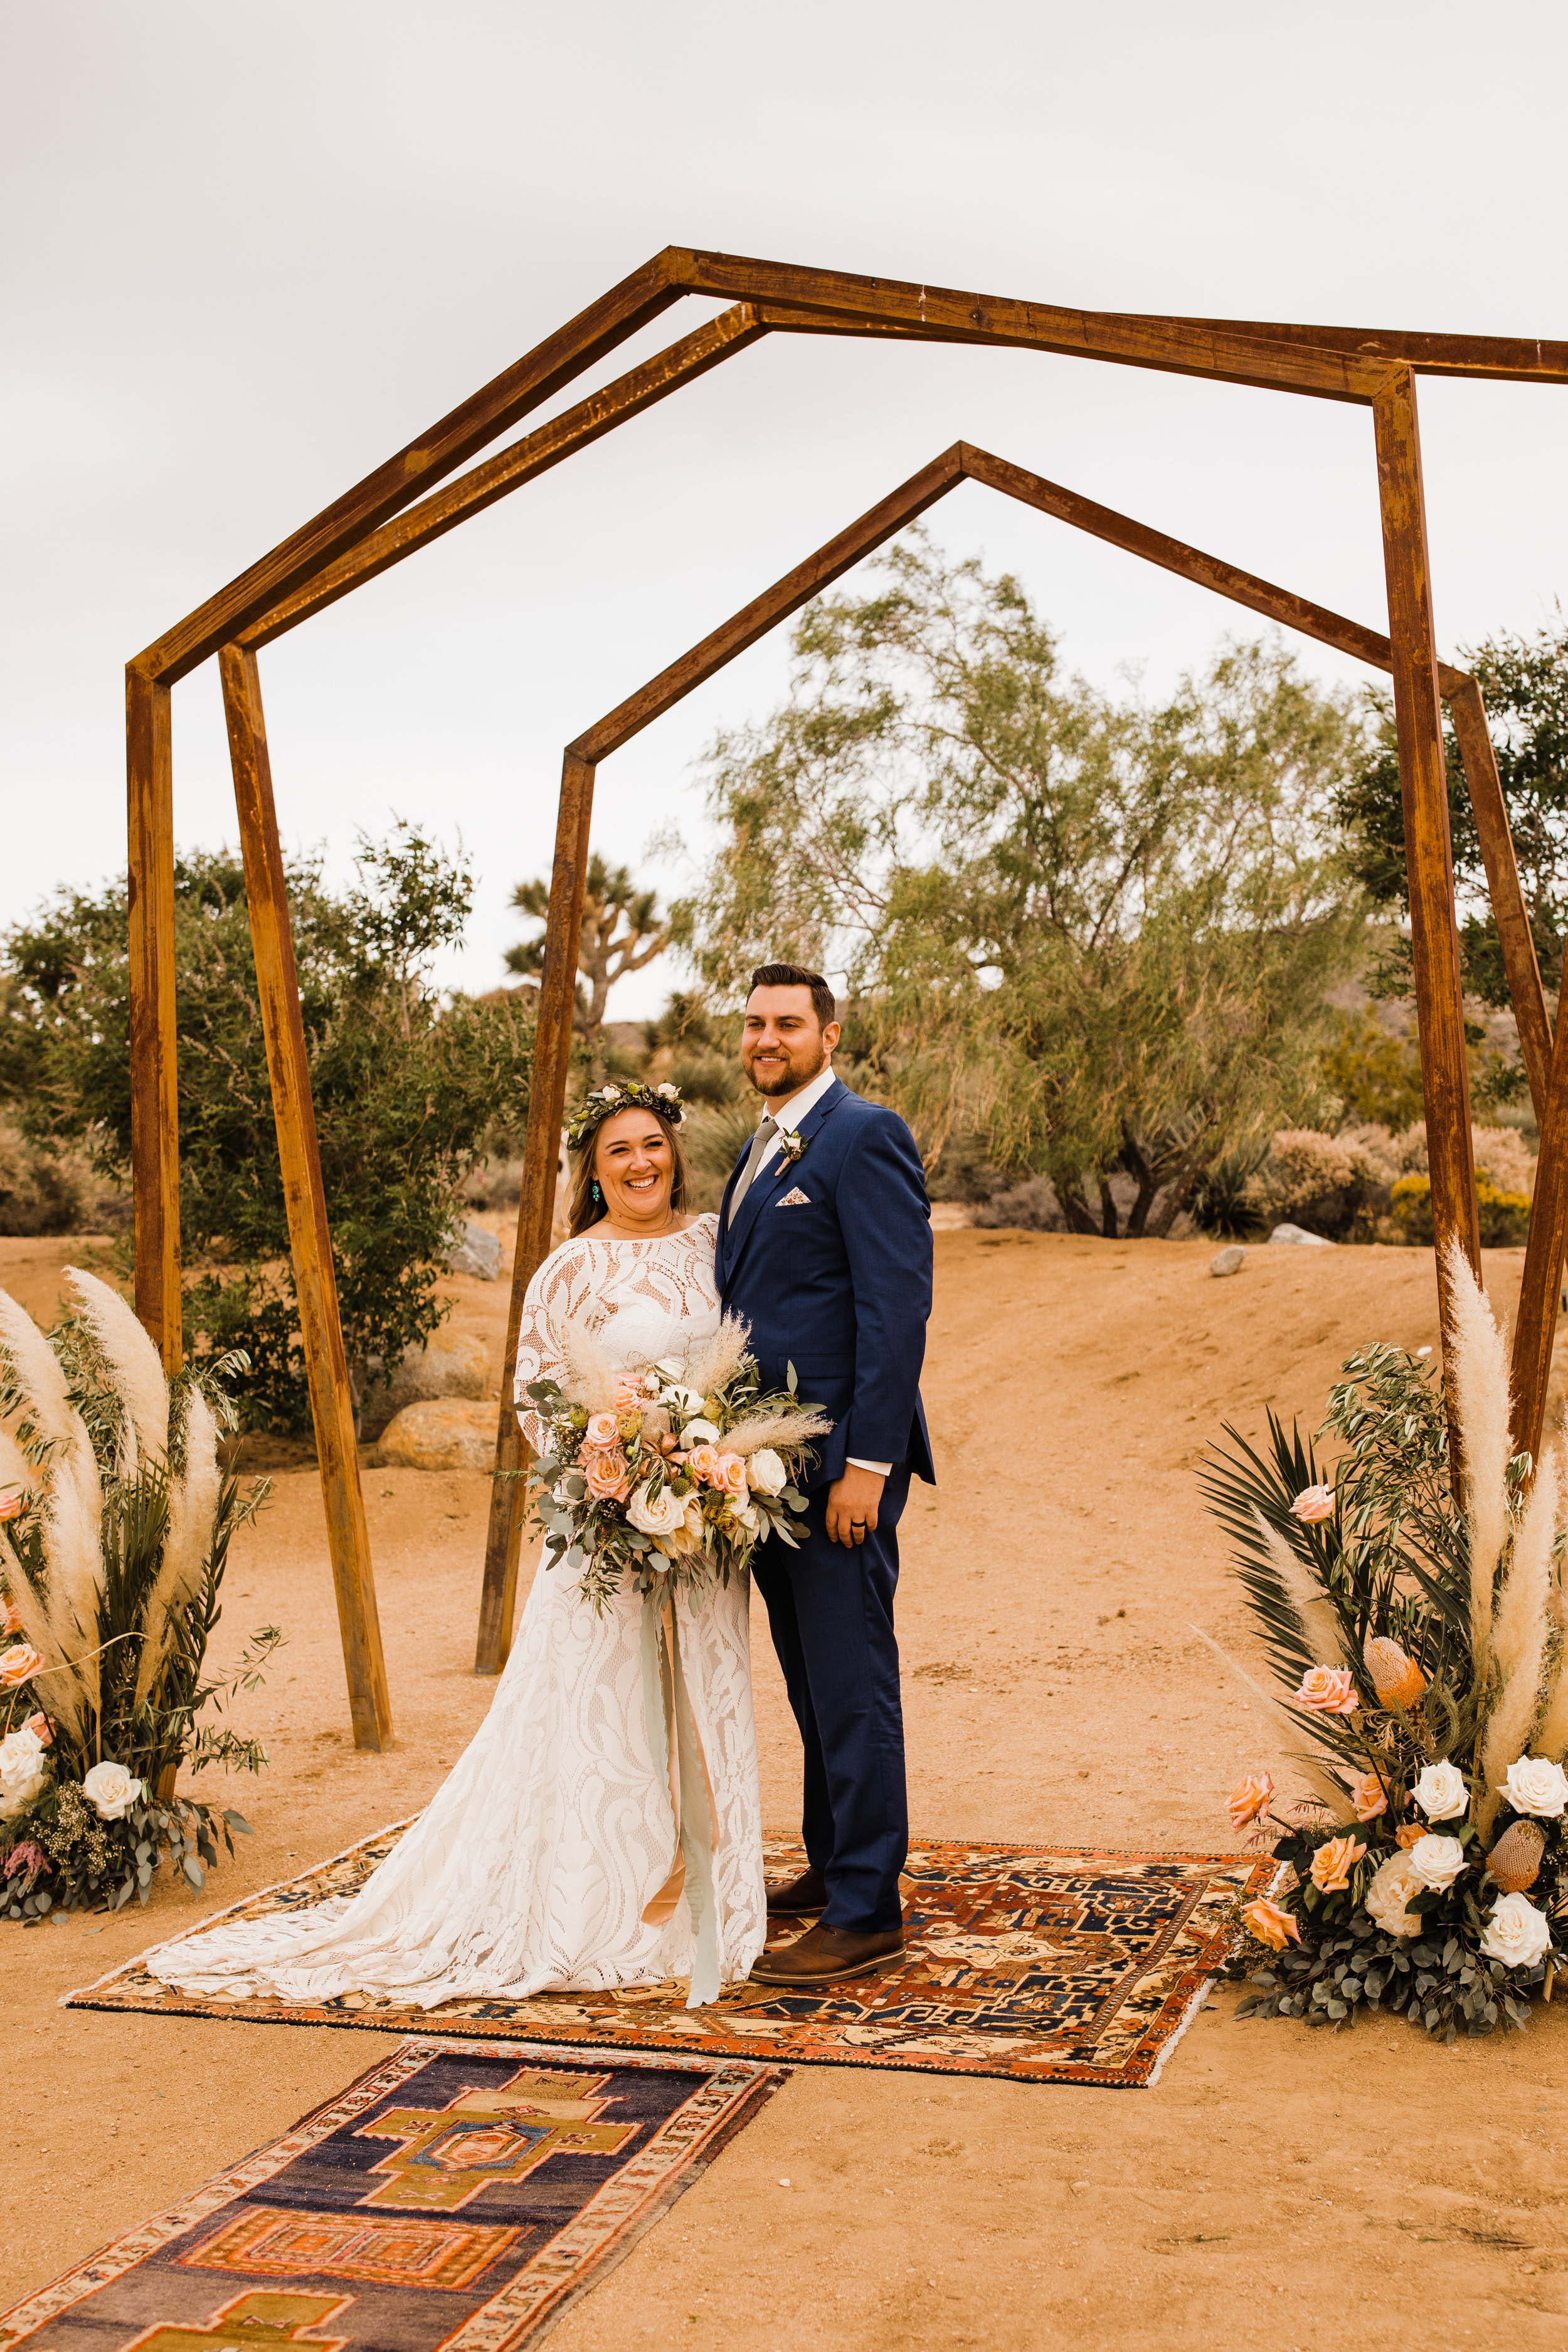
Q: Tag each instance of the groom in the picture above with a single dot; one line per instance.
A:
(825, 1250)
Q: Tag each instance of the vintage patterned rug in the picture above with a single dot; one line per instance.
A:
(1035, 1963)
(461, 2194)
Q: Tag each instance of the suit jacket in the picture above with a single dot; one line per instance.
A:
(840, 1283)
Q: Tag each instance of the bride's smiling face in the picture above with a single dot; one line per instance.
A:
(636, 1168)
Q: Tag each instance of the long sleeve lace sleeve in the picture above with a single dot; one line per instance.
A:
(538, 1348)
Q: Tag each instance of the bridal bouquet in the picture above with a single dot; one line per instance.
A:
(1421, 1647)
(677, 1471)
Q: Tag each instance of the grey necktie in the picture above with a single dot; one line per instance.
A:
(759, 1142)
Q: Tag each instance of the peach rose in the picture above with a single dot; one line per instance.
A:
(704, 1462)
(602, 1433)
(1333, 1863)
(630, 1394)
(1250, 1802)
(1410, 1835)
(12, 1622)
(1312, 1504)
(606, 1477)
(1269, 1923)
(12, 1502)
(729, 1476)
(1369, 1796)
(1328, 1690)
(17, 1663)
(42, 1730)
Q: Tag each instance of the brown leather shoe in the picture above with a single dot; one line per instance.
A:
(801, 1899)
(823, 1956)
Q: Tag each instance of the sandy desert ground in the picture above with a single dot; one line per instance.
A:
(1284, 2187)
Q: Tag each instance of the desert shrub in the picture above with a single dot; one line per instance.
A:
(1376, 1075)
(1501, 1154)
(1504, 1216)
(41, 1190)
(1032, 1205)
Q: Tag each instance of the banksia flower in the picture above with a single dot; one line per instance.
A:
(1398, 1680)
(1515, 1860)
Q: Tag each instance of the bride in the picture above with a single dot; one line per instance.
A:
(605, 1826)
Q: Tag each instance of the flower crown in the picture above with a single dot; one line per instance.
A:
(590, 1114)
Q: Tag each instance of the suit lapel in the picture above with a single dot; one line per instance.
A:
(724, 1249)
(769, 1183)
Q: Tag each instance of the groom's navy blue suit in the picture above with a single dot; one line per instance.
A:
(839, 1285)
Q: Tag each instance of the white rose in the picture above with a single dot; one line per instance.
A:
(672, 1367)
(110, 1790)
(1517, 1933)
(606, 1093)
(700, 1432)
(668, 1091)
(23, 1772)
(766, 1472)
(1534, 1786)
(658, 1514)
(1390, 1892)
(1441, 1793)
(684, 1400)
(1437, 1862)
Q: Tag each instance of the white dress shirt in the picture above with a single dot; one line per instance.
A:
(788, 1111)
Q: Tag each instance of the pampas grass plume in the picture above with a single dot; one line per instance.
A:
(1479, 1371)
(591, 1377)
(132, 1359)
(1315, 1613)
(763, 1429)
(721, 1359)
(1520, 1623)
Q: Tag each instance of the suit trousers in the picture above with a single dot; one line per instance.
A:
(830, 1610)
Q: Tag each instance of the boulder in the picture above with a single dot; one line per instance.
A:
(1228, 1261)
(1298, 1234)
(450, 1364)
(443, 1433)
(475, 1250)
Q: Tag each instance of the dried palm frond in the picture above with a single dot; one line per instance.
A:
(133, 1363)
(760, 1429)
(1478, 1374)
(1521, 1625)
(590, 1376)
(1323, 1628)
(194, 1499)
(721, 1358)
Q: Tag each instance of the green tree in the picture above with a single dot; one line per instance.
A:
(621, 932)
(1525, 683)
(1094, 934)
(409, 1090)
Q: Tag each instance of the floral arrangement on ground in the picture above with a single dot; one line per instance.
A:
(668, 1475)
(115, 1522)
(1422, 1641)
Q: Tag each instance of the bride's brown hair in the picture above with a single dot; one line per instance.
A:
(581, 1209)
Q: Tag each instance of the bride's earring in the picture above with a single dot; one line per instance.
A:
(597, 1196)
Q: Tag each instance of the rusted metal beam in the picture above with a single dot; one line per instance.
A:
(1535, 1327)
(540, 1155)
(640, 388)
(155, 1100)
(1468, 712)
(331, 1404)
(1507, 359)
(1433, 934)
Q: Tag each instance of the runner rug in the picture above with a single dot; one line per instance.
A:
(461, 2194)
(1036, 1963)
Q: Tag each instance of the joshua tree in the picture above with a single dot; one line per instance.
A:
(621, 932)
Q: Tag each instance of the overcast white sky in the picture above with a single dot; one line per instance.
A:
(249, 252)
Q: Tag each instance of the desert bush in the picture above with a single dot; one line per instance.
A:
(1504, 1216)
(41, 1190)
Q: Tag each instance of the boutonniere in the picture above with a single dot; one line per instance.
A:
(793, 1146)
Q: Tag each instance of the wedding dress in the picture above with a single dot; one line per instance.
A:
(551, 1859)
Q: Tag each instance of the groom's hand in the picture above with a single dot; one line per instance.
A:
(852, 1502)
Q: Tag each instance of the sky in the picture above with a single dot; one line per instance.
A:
(249, 253)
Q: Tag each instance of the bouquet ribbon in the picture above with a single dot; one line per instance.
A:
(672, 1734)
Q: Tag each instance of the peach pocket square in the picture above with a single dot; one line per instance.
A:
(794, 1200)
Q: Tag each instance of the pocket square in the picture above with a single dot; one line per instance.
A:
(794, 1200)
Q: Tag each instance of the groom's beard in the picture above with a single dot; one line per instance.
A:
(786, 1078)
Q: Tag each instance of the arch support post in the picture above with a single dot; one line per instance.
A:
(536, 1209)
(1434, 933)
(326, 1367)
(155, 1100)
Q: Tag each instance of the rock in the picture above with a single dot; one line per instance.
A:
(475, 1251)
(444, 1433)
(450, 1364)
(1298, 1234)
(1228, 1261)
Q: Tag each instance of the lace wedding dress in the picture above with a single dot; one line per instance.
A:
(552, 1858)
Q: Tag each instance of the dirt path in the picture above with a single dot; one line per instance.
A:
(1295, 2187)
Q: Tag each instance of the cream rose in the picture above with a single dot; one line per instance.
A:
(1312, 1504)
(1437, 1862)
(657, 1514)
(22, 1772)
(606, 1477)
(1534, 1786)
(1390, 1891)
(1328, 1690)
(602, 1433)
(17, 1663)
(1441, 1793)
(766, 1472)
(729, 1476)
(110, 1790)
(1517, 1933)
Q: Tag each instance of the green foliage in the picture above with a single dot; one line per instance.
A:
(1524, 681)
(1504, 1216)
(1096, 935)
(1375, 1076)
(1440, 1983)
(409, 1091)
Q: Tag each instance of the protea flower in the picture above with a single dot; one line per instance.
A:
(1398, 1680)
(1515, 1860)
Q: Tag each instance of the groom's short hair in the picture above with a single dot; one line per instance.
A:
(791, 975)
